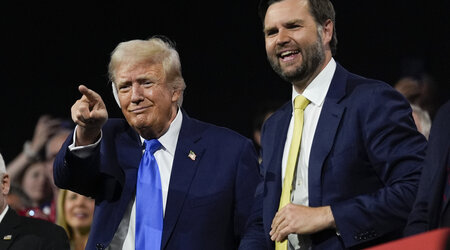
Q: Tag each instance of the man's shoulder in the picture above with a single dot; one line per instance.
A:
(39, 227)
(212, 131)
(442, 115)
(117, 126)
(352, 89)
(439, 129)
(32, 233)
(279, 114)
(357, 81)
(116, 123)
(362, 84)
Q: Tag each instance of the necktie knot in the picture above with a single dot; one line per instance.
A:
(300, 102)
(152, 145)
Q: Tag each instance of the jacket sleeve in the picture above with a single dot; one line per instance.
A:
(247, 179)
(254, 238)
(69, 171)
(394, 150)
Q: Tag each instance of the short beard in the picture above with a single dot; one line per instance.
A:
(313, 57)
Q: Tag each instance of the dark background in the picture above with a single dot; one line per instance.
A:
(47, 50)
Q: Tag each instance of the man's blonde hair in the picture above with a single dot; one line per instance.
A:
(2, 165)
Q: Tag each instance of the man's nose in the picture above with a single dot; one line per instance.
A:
(136, 92)
(283, 37)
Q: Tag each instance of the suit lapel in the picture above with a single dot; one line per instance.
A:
(273, 171)
(129, 155)
(184, 169)
(130, 151)
(325, 133)
(8, 232)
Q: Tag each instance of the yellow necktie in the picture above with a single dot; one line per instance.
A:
(300, 104)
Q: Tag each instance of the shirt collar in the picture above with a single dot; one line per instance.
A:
(169, 139)
(3, 213)
(316, 91)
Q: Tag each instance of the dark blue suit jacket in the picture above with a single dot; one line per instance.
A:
(209, 198)
(365, 163)
(20, 232)
(427, 212)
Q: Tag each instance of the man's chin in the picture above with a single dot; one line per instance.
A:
(147, 132)
(288, 72)
(292, 76)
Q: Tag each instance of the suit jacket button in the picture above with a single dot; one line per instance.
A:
(99, 246)
(357, 237)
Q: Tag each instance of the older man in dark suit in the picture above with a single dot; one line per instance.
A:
(203, 179)
(20, 233)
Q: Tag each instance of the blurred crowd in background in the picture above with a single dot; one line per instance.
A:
(33, 192)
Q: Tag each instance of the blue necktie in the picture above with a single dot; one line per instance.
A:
(149, 203)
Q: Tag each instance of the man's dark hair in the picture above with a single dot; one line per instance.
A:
(321, 10)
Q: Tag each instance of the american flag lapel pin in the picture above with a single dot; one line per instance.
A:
(192, 155)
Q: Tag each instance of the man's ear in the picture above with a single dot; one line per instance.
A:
(115, 93)
(5, 184)
(176, 95)
(327, 31)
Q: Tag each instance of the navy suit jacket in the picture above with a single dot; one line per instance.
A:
(209, 198)
(427, 212)
(20, 233)
(364, 162)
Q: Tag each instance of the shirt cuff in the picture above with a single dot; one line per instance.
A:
(83, 152)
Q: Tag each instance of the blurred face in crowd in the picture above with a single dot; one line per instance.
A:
(294, 44)
(35, 183)
(148, 102)
(78, 210)
(51, 150)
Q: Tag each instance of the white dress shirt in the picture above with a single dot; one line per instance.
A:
(124, 238)
(315, 92)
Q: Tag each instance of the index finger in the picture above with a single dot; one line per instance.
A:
(89, 93)
(276, 219)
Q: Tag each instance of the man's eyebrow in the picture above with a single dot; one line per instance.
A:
(290, 22)
(295, 21)
(265, 29)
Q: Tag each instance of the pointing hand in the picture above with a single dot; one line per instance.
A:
(90, 114)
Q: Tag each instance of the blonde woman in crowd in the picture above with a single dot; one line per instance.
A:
(75, 213)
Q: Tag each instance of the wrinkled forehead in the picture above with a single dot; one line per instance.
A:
(134, 71)
(286, 10)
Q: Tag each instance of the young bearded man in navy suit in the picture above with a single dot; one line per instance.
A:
(357, 168)
(207, 174)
